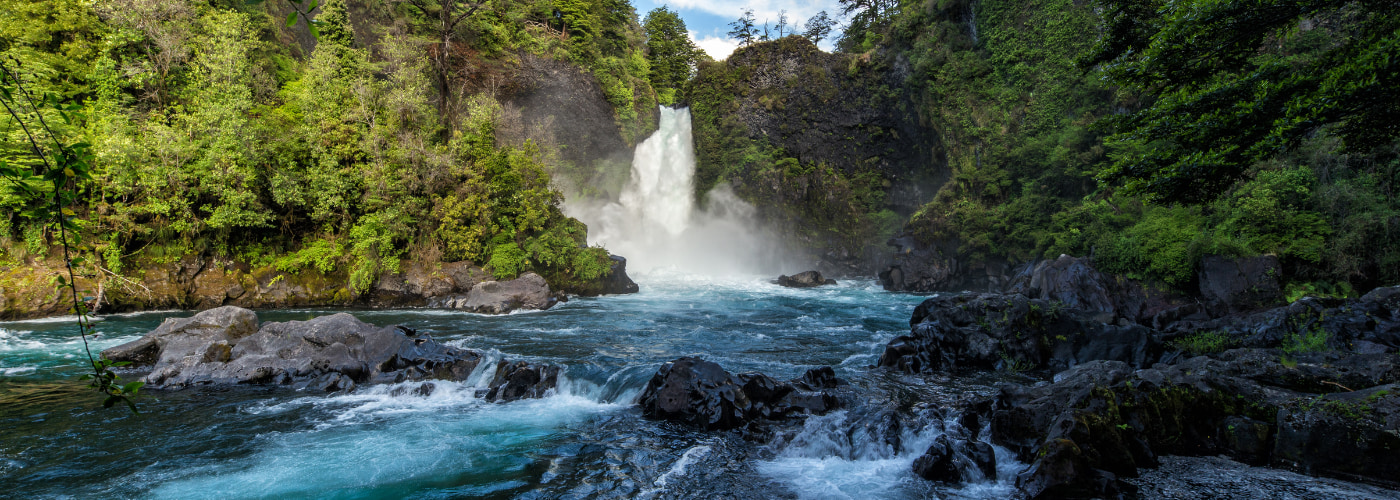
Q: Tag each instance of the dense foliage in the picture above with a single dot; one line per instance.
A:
(1145, 135)
(833, 198)
(1276, 73)
(670, 52)
(217, 130)
(1023, 127)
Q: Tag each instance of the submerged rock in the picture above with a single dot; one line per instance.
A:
(529, 291)
(703, 394)
(225, 346)
(806, 279)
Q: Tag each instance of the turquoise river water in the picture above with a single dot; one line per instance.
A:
(587, 440)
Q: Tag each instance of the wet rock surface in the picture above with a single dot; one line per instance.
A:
(528, 292)
(701, 393)
(806, 279)
(521, 380)
(957, 461)
(615, 283)
(995, 331)
(226, 346)
(1104, 419)
(1315, 390)
(1220, 478)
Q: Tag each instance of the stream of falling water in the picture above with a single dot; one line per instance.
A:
(657, 224)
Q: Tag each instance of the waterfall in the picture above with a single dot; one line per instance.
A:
(656, 224)
(659, 192)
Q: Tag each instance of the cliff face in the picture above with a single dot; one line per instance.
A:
(561, 106)
(828, 146)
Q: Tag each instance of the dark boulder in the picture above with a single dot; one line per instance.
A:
(521, 380)
(1234, 285)
(528, 292)
(1076, 284)
(224, 346)
(696, 392)
(1012, 332)
(1368, 324)
(957, 461)
(616, 281)
(1104, 420)
(703, 394)
(921, 267)
(806, 279)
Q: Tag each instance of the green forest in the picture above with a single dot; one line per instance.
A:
(346, 138)
(1132, 132)
(228, 129)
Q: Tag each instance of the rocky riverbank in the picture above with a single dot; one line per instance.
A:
(208, 282)
(1310, 386)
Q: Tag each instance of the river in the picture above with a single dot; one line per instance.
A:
(586, 440)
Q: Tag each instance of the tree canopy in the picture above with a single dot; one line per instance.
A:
(670, 52)
(1236, 82)
(744, 28)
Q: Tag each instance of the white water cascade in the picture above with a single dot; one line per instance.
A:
(655, 223)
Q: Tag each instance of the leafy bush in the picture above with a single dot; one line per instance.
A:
(1314, 340)
(1202, 343)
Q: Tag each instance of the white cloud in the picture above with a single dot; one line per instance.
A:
(798, 11)
(716, 46)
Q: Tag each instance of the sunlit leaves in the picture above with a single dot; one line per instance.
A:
(1235, 82)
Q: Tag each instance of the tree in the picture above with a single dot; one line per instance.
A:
(818, 27)
(1239, 81)
(867, 17)
(782, 23)
(670, 52)
(441, 18)
(744, 29)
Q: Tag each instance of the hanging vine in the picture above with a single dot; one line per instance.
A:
(59, 167)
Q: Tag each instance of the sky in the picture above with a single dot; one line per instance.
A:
(708, 20)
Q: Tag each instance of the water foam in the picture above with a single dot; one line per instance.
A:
(834, 457)
(655, 222)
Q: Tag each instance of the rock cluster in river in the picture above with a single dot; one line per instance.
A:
(806, 279)
(1311, 386)
(703, 394)
(227, 346)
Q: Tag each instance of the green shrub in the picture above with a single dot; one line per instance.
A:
(1202, 343)
(1314, 340)
(320, 255)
